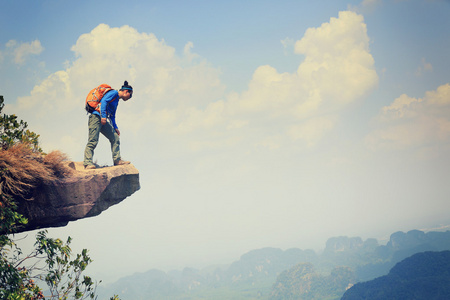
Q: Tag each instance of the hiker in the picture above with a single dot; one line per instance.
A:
(102, 119)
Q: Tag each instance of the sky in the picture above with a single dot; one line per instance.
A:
(252, 124)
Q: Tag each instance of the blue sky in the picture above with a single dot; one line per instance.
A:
(253, 123)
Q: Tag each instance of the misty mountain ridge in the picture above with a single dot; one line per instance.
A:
(272, 273)
(424, 275)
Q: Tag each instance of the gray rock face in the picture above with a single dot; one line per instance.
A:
(84, 194)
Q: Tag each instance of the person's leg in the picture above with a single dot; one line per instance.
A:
(108, 131)
(94, 132)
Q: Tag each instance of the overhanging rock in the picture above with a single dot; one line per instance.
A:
(86, 193)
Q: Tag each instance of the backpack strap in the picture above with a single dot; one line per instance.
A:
(107, 102)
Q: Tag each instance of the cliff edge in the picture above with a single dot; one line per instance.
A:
(83, 194)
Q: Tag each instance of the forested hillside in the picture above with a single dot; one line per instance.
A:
(303, 282)
(422, 276)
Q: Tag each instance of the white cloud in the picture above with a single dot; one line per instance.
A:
(165, 85)
(424, 67)
(366, 6)
(187, 52)
(21, 51)
(371, 3)
(401, 107)
(338, 69)
(338, 60)
(312, 130)
(183, 97)
(412, 122)
(288, 45)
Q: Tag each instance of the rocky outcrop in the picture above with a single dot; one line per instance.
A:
(83, 194)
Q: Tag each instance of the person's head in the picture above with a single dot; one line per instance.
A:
(126, 92)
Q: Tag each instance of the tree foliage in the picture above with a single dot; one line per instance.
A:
(51, 261)
(13, 131)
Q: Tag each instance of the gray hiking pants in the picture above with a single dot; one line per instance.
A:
(95, 127)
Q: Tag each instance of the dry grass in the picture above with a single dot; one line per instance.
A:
(21, 170)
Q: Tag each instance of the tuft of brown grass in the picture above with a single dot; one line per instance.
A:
(55, 160)
(22, 169)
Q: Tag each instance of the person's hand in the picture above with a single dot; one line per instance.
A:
(103, 121)
(117, 130)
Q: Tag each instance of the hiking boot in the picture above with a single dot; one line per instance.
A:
(120, 162)
(90, 167)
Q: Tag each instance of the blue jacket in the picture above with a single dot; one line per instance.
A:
(108, 106)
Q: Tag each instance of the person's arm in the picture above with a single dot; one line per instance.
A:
(112, 108)
(108, 97)
(112, 117)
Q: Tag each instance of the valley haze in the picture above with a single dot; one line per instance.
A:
(252, 124)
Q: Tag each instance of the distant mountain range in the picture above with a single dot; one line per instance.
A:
(424, 275)
(272, 273)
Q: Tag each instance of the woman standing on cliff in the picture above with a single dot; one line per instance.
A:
(103, 119)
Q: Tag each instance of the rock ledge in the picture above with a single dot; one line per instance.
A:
(86, 193)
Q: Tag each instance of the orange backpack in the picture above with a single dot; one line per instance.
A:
(95, 96)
